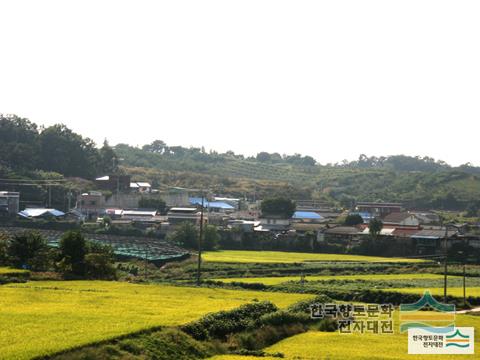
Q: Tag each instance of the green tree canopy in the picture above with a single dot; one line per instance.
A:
(152, 203)
(278, 206)
(353, 219)
(186, 236)
(29, 249)
(211, 238)
(375, 227)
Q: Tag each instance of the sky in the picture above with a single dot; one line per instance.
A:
(330, 79)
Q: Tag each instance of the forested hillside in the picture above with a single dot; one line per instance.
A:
(419, 182)
(56, 152)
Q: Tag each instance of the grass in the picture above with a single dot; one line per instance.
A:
(243, 256)
(315, 345)
(372, 277)
(452, 291)
(40, 318)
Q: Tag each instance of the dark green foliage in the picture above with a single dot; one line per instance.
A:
(73, 248)
(186, 236)
(4, 239)
(304, 305)
(166, 344)
(278, 206)
(283, 317)
(24, 147)
(152, 203)
(83, 259)
(353, 219)
(29, 250)
(211, 238)
(220, 324)
(375, 227)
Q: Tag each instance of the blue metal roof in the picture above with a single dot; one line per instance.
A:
(306, 215)
(366, 216)
(211, 204)
(28, 213)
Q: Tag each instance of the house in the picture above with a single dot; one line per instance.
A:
(430, 241)
(307, 217)
(426, 217)
(231, 201)
(41, 213)
(402, 219)
(9, 202)
(113, 183)
(91, 204)
(275, 223)
(378, 209)
(178, 215)
(141, 187)
(176, 197)
(214, 206)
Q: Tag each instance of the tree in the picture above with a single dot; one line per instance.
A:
(278, 206)
(158, 146)
(263, 156)
(67, 153)
(99, 262)
(353, 220)
(4, 239)
(211, 238)
(375, 227)
(152, 203)
(73, 248)
(186, 236)
(108, 159)
(18, 143)
(29, 250)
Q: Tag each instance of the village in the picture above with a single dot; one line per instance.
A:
(147, 216)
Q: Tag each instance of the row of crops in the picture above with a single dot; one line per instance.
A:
(151, 249)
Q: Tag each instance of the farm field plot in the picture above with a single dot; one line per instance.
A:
(244, 256)
(315, 345)
(10, 271)
(39, 318)
(453, 291)
(282, 279)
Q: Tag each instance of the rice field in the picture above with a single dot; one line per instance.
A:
(315, 345)
(40, 318)
(371, 277)
(453, 291)
(11, 271)
(244, 256)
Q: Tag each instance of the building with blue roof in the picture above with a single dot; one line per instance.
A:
(307, 216)
(214, 206)
(36, 213)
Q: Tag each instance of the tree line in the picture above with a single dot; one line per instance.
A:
(24, 147)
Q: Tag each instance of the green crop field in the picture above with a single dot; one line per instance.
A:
(39, 318)
(454, 291)
(243, 256)
(372, 277)
(315, 345)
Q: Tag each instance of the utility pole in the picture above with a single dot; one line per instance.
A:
(445, 266)
(49, 195)
(146, 262)
(200, 243)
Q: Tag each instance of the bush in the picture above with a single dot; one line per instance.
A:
(283, 317)
(29, 250)
(220, 324)
(304, 305)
